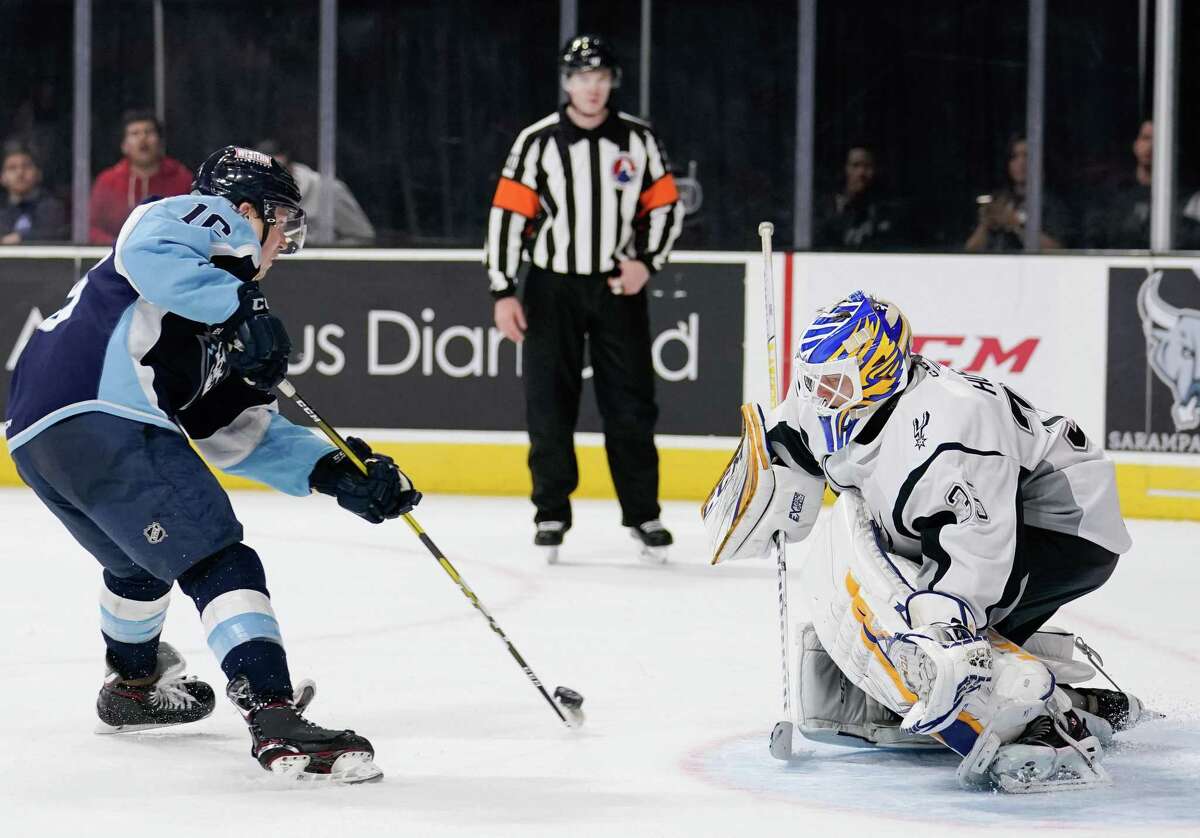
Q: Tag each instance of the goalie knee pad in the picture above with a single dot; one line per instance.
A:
(1055, 647)
(753, 500)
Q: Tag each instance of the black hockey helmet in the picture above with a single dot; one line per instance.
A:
(242, 174)
(588, 52)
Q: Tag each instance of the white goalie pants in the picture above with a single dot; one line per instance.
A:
(857, 595)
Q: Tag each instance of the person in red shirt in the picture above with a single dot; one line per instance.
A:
(144, 170)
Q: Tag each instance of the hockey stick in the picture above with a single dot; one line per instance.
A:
(566, 703)
(781, 733)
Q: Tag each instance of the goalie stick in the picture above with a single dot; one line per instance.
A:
(566, 703)
(781, 733)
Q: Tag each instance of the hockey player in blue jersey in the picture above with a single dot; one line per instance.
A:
(166, 339)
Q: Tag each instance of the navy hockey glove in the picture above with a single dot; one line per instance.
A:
(383, 492)
(258, 343)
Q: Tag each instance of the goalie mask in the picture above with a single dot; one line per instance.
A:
(852, 359)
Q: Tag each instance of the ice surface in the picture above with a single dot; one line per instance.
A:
(678, 665)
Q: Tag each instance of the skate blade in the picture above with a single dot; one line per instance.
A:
(647, 554)
(350, 768)
(653, 555)
(103, 729)
(1014, 785)
(1147, 715)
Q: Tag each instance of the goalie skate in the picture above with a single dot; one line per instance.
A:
(1050, 756)
(1108, 712)
(1055, 753)
(653, 540)
(288, 745)
(163, 699)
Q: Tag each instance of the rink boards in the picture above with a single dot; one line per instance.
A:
(399, 344)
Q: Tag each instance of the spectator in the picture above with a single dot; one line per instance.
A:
(145, 170)
(29, 214)
(1002, 216)
(350, 223)
(1121, 219)
(858, 217)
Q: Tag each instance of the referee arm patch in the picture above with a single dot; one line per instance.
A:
(516, 197)
(659, 194)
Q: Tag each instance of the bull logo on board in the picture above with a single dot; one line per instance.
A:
(1172, 346)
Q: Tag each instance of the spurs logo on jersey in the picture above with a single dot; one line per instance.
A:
(958, 494)
(919, 429)
(577, 201)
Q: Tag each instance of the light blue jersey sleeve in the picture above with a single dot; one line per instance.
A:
(186, 254)
(241, 432)
(284, 456)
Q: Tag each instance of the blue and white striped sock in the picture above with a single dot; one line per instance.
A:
(230, 592)
(131, 620)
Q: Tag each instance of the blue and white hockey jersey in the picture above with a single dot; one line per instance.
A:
(132, 341)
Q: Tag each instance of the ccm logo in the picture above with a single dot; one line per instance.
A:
(982, 351)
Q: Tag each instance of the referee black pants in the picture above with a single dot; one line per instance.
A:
(561, 311)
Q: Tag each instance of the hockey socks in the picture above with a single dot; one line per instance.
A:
(230, 592)
(132, 612)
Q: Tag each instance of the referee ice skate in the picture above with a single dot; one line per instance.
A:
(587, 197)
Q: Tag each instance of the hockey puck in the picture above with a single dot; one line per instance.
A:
(571, 703)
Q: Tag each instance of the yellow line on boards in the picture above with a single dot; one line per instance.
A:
(1147, 491)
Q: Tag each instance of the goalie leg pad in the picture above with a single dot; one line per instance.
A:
(834, 711)
(852, 590)
(857, 596)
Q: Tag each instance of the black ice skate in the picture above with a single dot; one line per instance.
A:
(549, 537)
(286, 743)
(654, 539)
(1119, 710)
(167, 697)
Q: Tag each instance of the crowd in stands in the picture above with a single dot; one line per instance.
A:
(31, 213)
(861, 214)
(1114, 215)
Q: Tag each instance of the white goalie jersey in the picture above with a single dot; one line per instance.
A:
(950, 470)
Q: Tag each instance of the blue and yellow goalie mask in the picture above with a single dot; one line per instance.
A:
(851, 359)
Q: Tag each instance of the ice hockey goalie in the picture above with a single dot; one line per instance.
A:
(966, 518)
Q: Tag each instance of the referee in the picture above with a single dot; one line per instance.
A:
(588, 198)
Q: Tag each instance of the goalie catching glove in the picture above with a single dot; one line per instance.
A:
(755, 499)
(383, 492)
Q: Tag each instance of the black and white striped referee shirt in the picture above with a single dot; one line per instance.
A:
(577, 201)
